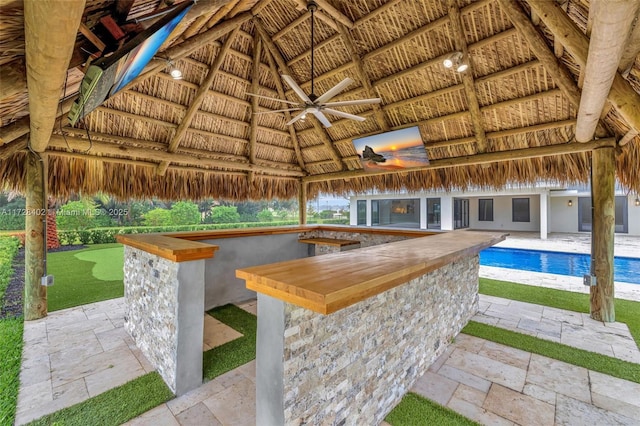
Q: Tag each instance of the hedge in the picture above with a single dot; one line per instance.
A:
(108, 235)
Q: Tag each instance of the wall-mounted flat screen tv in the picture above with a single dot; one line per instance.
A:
(399, 149)
(109, 74)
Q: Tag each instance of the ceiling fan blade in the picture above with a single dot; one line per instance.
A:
(323, 119)
(273, 99)
(277, 110)
(297, 117)
(356, 102)
(334, 90)
(294, 86)
(343, 114)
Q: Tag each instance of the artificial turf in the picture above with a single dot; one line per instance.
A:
(85, 276)
(114, 406)
(415, 410)
(627, 311)
(237, 352)
(10, 338)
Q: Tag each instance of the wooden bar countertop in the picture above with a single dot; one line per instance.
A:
(331, 282)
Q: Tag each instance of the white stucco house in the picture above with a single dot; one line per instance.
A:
(543, 208)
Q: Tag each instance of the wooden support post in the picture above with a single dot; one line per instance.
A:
(604, 221)
(35, 295)
(302, 202)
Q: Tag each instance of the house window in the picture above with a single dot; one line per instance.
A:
(520, 210)
(362, 212)
(485, 210)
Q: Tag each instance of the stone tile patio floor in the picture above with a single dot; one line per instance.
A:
(80, 352)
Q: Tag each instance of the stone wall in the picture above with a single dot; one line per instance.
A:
(367, 356)
(366, 239)
(164, 305)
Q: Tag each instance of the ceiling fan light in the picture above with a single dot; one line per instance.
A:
(303, 117)
(448, 63)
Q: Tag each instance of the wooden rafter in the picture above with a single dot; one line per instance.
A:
(338, 16)
(302, 5)
(467, 76)
(485, 158)
(319, 130)
(50, 33)
(199, 97)
(631, 51)
(221, 13)
(242, 4)
(287, 114)
(560, 74)
(118, 150)
(258, 7)
(362, 75)
(623, 97)
(255, 84)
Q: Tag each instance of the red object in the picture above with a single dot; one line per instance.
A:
(113, 28)
(52, 230)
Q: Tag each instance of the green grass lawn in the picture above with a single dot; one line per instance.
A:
(85, 276)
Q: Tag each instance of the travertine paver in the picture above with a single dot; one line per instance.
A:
(569, 328)
(77, 353)
(554, 392)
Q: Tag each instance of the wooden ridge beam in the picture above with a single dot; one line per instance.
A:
(485, 158)
(623, 97)
(319, 130)
(117, 150)
(287, 114)
(197, 100)
(50, 34)
(362, 75)
(467, 76)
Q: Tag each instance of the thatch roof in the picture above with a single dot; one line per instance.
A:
(510, 119)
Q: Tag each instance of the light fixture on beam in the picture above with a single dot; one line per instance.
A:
(570, 203)
(455, 60)
(637, 203)
(174, 71)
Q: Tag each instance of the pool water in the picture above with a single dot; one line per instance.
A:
(625, 269)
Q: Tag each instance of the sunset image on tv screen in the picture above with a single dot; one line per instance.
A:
(400, 149)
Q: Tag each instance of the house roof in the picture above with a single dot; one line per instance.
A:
(511, 118)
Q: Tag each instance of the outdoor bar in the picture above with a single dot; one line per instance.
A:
(344, 334)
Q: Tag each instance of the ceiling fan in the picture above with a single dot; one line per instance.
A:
(317, 105)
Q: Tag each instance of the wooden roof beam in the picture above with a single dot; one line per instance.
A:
(300, 19)
(255, 10)
(255, 83)
(196, 103)
(220, 14)
(623, 97)
(50, 34)
(612, 24)
(324, 17)
(106, 148)
(467, 76)
(362, 75)
(287, 115)
(485, 158)
(320, 131)
(238, 7)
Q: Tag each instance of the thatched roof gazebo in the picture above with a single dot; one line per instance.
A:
(552, 92)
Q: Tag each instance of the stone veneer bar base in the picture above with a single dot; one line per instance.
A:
(164, 303)
(353, 366)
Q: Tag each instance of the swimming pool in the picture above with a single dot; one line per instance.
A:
(626, 269)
